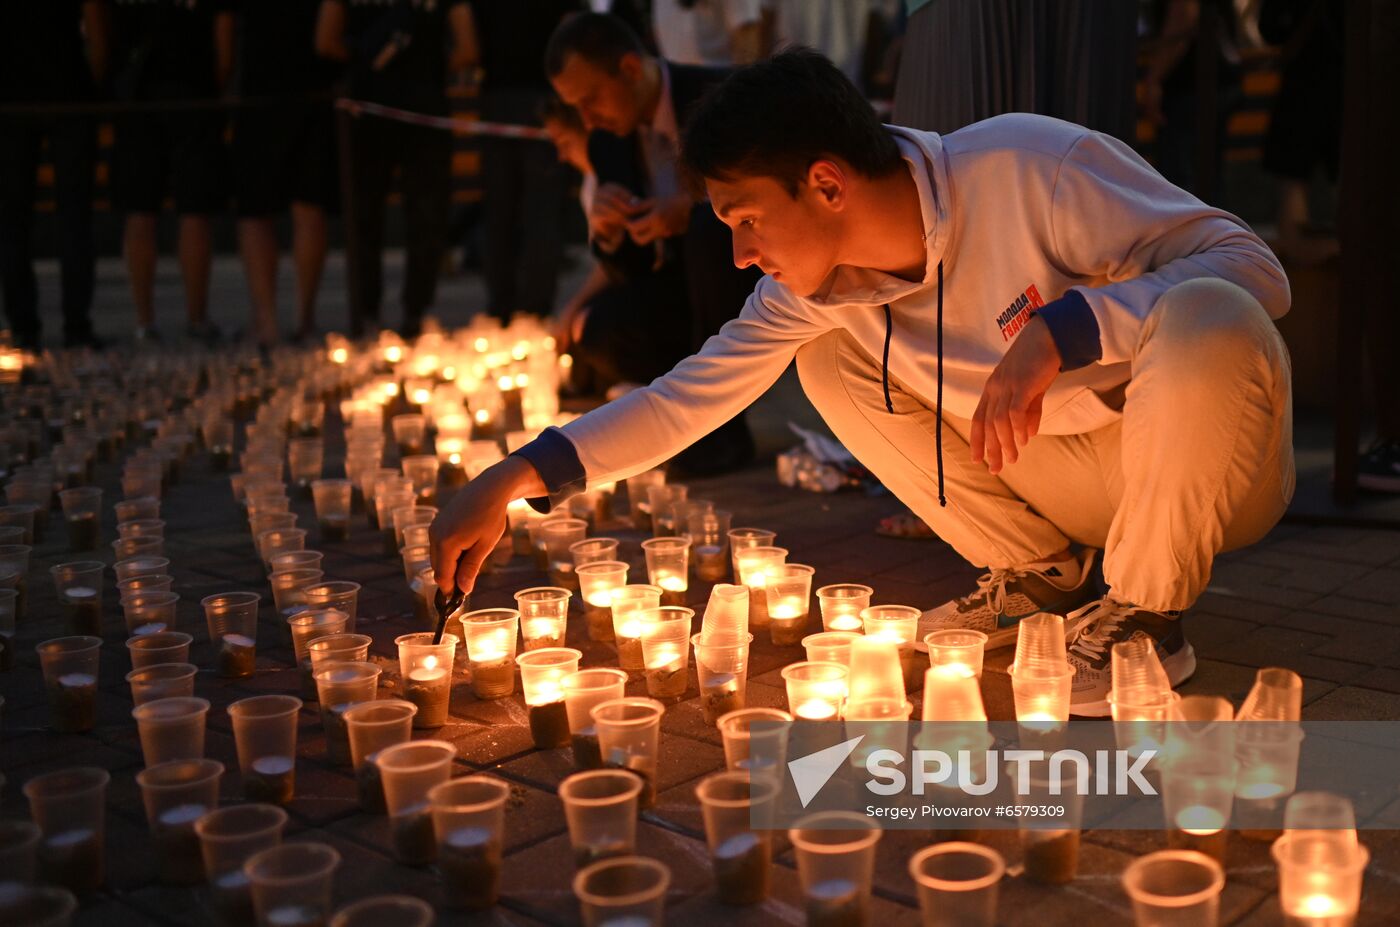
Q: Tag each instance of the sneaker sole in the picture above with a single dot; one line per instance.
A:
(1180, 667)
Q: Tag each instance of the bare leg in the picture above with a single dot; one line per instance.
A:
(257, 241)
(196, 250)
(309, 255)
(139, 247)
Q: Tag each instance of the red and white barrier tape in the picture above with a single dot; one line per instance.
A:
(466, 126)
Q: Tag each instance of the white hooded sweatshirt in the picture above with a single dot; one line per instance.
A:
(1018, 211)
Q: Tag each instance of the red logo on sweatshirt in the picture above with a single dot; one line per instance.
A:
(1015, 316)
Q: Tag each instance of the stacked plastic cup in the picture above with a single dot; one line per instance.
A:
(632, 609)
(171, 729)
(583, 690)
(876, 669)
(625, 890)
(726, 613)
(233, 630)
(629, 737)
(292, 882)
(265, 734)
(958, 884)
(469, 823)
(1320, 861)
(835, 862)
(340, 685)
(176, 795)
(741, 854)
(1140, 698)
(409, 772)
(1267, 748)
(1041, 676)
(898, 624)
(370, 727)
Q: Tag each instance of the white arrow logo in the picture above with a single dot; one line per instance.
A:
(813, 771)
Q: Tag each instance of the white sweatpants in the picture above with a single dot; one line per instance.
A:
(1201, 460)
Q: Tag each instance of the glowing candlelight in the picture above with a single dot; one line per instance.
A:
(816, 710)
(844, 622)
(1039, 721)
(600, 598)
(1200, 820)
(539, 627)
(671, 583)
(339, 355)
(788, 608)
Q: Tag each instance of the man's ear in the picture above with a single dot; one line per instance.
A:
(828, 181)
(630, 67)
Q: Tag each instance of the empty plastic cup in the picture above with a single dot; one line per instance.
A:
(829, 646)
(36, 905)
(265, 733)
(469, 823)
(958, 884)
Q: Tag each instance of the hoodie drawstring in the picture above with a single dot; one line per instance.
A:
(938, 411)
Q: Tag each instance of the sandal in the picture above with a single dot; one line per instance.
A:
(905, 526)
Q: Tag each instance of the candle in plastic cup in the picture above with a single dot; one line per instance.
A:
(291, 884)
(410, 516)
(629, 737)
(1041, 676)
(816, 691)
(227, 838)
(469, 823)
(19, 848)
(1320, 862)
(1174, 888)
(583, 690)
(740, 855)
(164, 680)
(130, 548)
(158, 647)
(632, 609)
(958, 884)
(835, 862)
(1198, 774)
(265, 733)
(295, 560)
(544, 613)
(627, 890)
(36, 905)
(171, 729)
(307, 626)
(341, 595)
(709, 539)
(829, 646)
(69, 665)
(70, 808)
(668, 567)
(755, 740)
(305, 459)
(960, 650)
(726, 613)
(372, 726)
(754, 564)
(593, 550)
(341, 685)
(876, 670)
(79, 587)
(841, 605)
(558, 535)
(385, 911)
(600, 808)
(489, 634)
(9, 608)
(426, 672)
(137, 509)
(722, 670)
(743, 539)
(141, 528)
(1050, 827)
(289, 589)
(409, 772)
(148, 612)
(410, 433)
(666, 657)
(176, 795)
(899, 625)
(232, 618)
(1137, 674)
(82, 510)
(542, 674)
(596, 582)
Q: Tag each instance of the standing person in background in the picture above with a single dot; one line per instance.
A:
(401, 54)
(177, 51)
(523, 185)
(283, 156)
(709, 33)
(50, 52)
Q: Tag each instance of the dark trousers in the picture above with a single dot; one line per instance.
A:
(631, 334)
(523, 192)
(423, 159)
(717, 290)
(72, 147)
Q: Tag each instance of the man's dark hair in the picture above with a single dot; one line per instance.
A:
(597, 38)
(776, 117)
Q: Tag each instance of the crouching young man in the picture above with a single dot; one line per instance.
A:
(1036, 342)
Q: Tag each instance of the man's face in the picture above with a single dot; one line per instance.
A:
(793, 239)
(604, 100)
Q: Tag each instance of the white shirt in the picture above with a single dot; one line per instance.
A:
(700, 35)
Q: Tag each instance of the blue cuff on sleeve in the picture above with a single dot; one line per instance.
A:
(553, 456)
(1074, 328)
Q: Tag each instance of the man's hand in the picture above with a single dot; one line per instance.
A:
(1009, 413)
(613, 206)
(465, 532)
(665, 217)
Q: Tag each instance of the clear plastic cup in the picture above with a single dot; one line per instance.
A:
(82, 510)
(307, 626)
(558, 536)
(665, 500)
(165, 680)
(69, 665)
(291, 883)
(410, 516)
(633, 607)
(755, 741)
(1137, 674)
(583, 690)
(14, 570)
(1268, 744)
(227, 838)
(744, 538)
(341, 685)
(593, 550)
(835, 862)
(289, 590)
(952, 696)
(391, 498)
(232, 618)
(295, 560)
(79, 586)
(625, 890)
(341, 595)
(469, 824)
(171, 729)
(149, 612)
(329, 648)
(372, 726)
(668, 566)
(788, 588)
(137, 509)
(70, 808)
(415, 560)
(36, 905)
(544, 614)
(1320, 877)
(741, 855)
(159, 647)
(726, 613)
(897, 624)
(410, 433)
(542, 674)
(1041, 676)
(1054, 812)
(958, 884)
(1198, 775)
(332, 500)
(722, 671)
(597, 581)
(19, 848)
(829, 646)
(9, 608)
(489, 635)
(1040, 643)
(141, 528)
(960, 650)
(1174, 888)
(131, 548)
(600, 808)
(265, 733)
(709, 539)
(385, 911)
(409, 772)
(264, 522)
(1277, 695)
(305, 460)
(754, 565)
(280, 541)
(141, 585)
(664, 652)
(816, 691)
(176, 795)
(417, 535)
(876, 670)
(629, 737)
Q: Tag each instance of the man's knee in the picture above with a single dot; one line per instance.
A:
(1210, 317)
